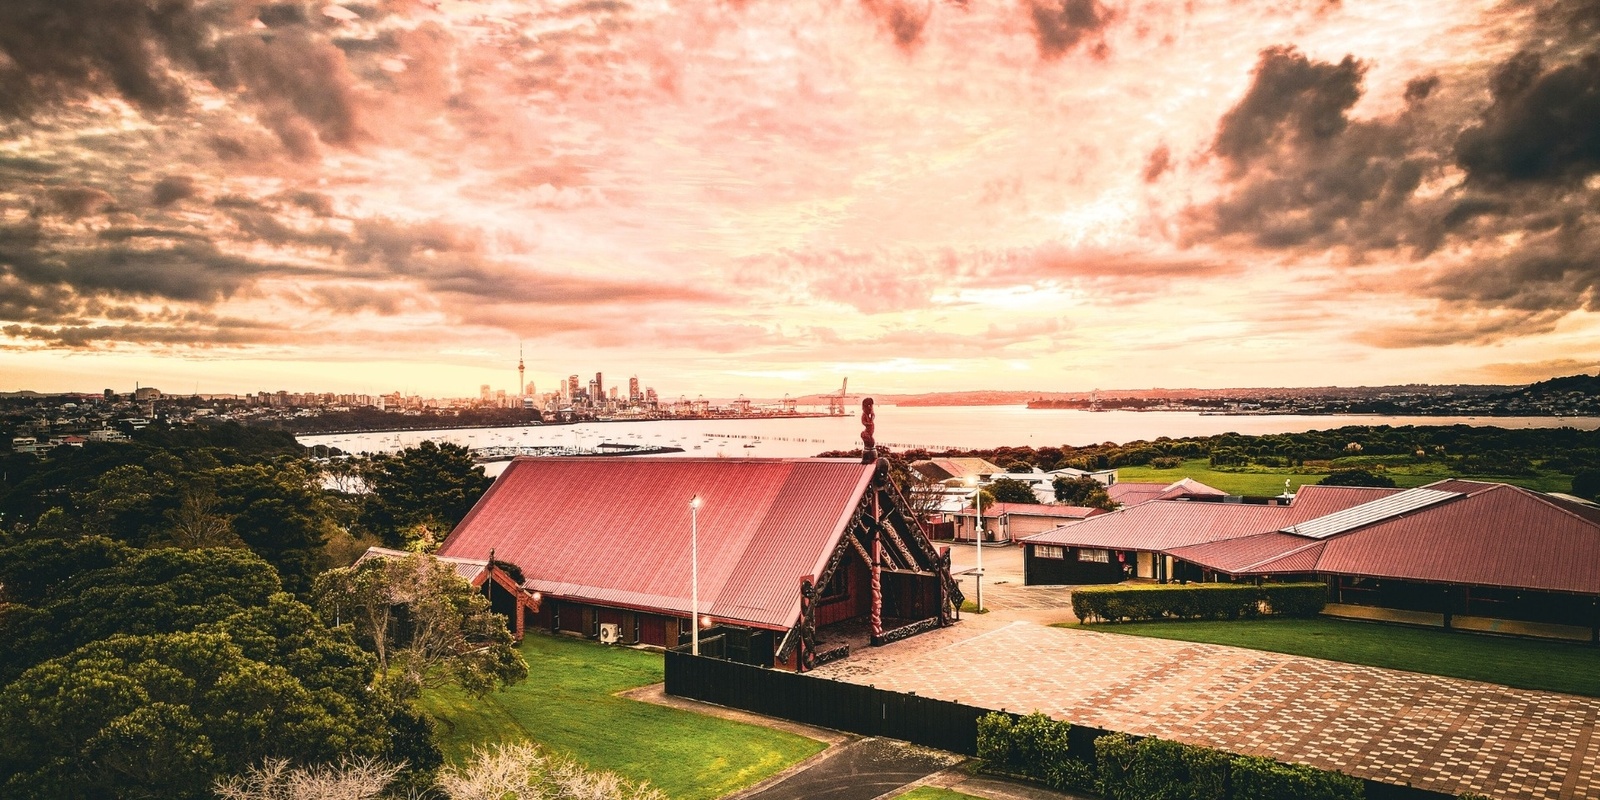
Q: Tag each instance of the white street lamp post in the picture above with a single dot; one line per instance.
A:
(977, 499)
(694, 575)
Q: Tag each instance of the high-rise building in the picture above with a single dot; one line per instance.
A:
(594, 390)
(483, 393)
(572, 389)
(528, 390)
(599, 386)
(633, 390)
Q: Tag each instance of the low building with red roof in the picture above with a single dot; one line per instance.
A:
(1453, 548)
(1132, 493)
(786, 548)
(1004, 523)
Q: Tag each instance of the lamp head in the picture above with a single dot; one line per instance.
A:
(694, 502)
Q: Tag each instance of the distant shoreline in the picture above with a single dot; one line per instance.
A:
(475, 426)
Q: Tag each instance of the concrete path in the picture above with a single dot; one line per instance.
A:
(1438, 733)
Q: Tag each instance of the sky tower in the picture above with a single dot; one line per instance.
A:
(522, 372)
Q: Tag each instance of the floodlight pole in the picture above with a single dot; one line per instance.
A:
(977, 499)
(694, 575)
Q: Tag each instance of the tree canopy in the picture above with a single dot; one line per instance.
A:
(1357, 477)
(144, 673)
(430, 485)
(424, 623)
(1011, 490)
(1082, 491)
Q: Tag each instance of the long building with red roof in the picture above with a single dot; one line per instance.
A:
(1451, 548)
(786, 548)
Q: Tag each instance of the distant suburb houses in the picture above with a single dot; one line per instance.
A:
(1455, 552)
(797, 558)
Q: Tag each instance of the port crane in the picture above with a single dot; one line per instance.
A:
(836, 401)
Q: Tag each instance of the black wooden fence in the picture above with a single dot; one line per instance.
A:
(871, 711)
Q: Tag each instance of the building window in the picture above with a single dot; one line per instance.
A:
(1096, 556)
(1049, 551)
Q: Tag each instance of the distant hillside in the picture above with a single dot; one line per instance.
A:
(1585, 385)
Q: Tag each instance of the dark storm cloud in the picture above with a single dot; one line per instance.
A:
(62, 49)
(233, 332)
(1544, 124)
(304, 85)
(57, 51)
(1292, 101)
(1060, 26)
(173, 188)
(903, 19)
(1303, 174)
(77, 201)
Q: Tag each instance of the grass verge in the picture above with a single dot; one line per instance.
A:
(1573, 668)
(568, 704)
(935, 793)
(1261, 481)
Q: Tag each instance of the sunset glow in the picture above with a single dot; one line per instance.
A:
(764, 197)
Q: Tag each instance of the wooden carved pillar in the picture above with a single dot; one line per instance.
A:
(805, 647)
(869, 447)
(877, 584)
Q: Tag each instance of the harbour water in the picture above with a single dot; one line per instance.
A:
(934, 428)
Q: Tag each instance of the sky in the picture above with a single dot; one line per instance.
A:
(768, 196)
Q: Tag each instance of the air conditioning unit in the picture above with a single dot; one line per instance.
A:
(610, 633)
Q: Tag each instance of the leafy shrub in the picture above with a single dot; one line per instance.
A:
(1114, 757)
(1197, 601)
(1166, 462)
(1034, 746)
(1265, 779)
(1165, 770)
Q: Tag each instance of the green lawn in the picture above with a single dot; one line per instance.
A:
(1525, 663)
(568, 704)
(935, 793)
(1268, 481)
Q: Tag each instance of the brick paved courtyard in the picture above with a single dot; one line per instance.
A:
(1439, 733)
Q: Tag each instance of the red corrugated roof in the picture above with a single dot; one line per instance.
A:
(1240, 556)
(1500, 536)
(616, 530)
(1493, 535)
(1167, 524)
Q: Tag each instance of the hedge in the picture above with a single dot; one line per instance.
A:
(1034, 747)
(1264, 779)
(1128, 768)
(1198, 601)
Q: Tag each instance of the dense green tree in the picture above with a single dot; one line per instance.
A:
(430, 485)
(1082, 491)
(162, 716)
(97, 591)
(1011, 490)
(280, 512)
(1587, 484)
(128, 503)
(426, 625)
(1357, 477)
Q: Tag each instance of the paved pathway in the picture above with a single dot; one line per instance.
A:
(861, 770)
(1438, 733)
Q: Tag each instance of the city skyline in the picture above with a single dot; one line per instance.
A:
(764, 198)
